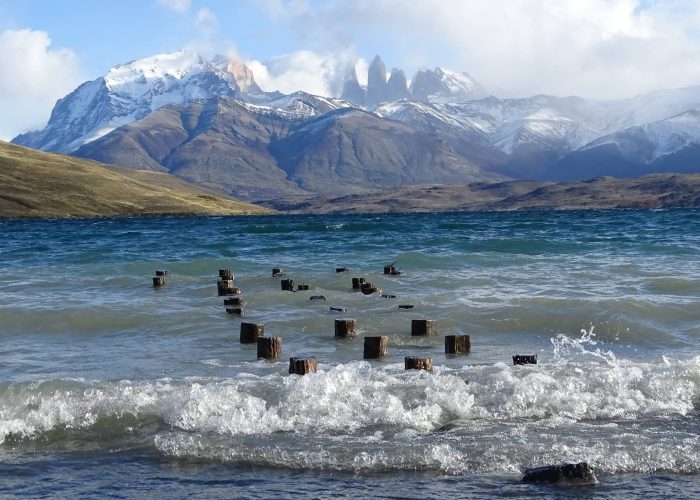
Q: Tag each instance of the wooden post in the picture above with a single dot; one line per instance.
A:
(302, 366)
(251, 331)
(341, 269)
(345, 328)
(423, 327)
(338, 309)
(235, 310)
(158, 281)
(405, 306)
(525, 359)
(369, 289)
(357, 283)
(225, 274)
(162, 273)
(414, 363)
(317, 297)
(287, 285)
(458, 344)
(233, 301)
(303, 287)
(269, 347)
(225, 287)
(386, 296)
(277, 271)
(376, 347)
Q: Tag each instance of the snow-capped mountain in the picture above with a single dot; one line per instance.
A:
(131, 91)
(551, 127)
(543, 137)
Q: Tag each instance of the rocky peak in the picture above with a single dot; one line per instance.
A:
(441, 85)
(352, 91)
(376, 82)
(397, 88)
(243, 76)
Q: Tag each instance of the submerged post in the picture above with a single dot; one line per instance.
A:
(525, 359)
(251, 331)
(269, 347)
(458, 344)
(415, 363)
(423, 327)
(345, 328)
(302, 366)
(376, 347)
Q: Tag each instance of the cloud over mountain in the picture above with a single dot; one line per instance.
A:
(32, 77)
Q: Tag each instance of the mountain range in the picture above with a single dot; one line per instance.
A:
(207, 121)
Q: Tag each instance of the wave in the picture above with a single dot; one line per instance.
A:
(621, 415)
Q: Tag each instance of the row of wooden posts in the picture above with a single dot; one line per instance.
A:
(270, 348)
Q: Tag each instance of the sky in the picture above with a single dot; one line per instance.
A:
(601, 49)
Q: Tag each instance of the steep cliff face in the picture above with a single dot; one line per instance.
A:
(376, 83)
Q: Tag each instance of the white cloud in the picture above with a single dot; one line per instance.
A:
(32, 78)
(594, 48)
(319, 74)
(176, 5)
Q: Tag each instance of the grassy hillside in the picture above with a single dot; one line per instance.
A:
(38, 184)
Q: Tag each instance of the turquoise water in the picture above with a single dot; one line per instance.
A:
(103, 377)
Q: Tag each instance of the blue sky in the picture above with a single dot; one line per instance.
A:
(593, 48)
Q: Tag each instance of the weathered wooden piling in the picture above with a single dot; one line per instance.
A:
(369, 289)
(405, 306)
(317, 297)
(341, 269)
(376, 347)
(269, 347)
(391, 270)
(525, 359)
(225, 274)
(225, 287)
(233, 301)
(357, 283)
(386, 296)
(303, 287)
(234, 291)
(302, 366)
(345, 328)
(158, 281)
(235, 310)
(423, 327)
(287, 285)
(162, 273)
(458, 344)
(251, 331)
(415, 363)
(277, 271)
(338, 309)
(580, 474)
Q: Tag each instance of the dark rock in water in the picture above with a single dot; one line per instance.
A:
(341, 269)
(580, 473)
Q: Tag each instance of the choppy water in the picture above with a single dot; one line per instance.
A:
(104, 378)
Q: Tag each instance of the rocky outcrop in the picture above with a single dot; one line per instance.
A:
(397, 87)
(352, 91)
(376, 83)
